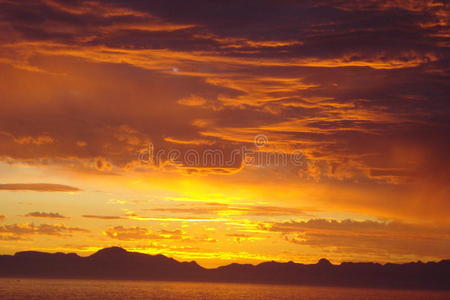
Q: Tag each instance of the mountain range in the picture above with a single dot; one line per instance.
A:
(118, 263)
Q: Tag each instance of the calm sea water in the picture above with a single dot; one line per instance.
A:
(60, 289)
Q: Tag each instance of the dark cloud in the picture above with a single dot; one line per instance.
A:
(326, 30)
(9, 238)
(245, 210)
(37, 214)
(103, 217)
(42, 229)
(350, 236)
(38, 187)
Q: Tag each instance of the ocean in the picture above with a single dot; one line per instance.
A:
(49, 289)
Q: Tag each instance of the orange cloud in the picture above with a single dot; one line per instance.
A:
(140, 233)
(192, 101)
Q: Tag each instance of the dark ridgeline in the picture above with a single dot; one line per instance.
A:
(117, 263)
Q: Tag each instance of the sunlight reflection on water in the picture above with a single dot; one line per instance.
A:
(49, 289)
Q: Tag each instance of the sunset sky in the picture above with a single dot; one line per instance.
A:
(341, 107)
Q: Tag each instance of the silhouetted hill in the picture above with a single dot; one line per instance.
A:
(117, 263)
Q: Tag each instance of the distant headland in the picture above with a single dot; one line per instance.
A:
(118, 263)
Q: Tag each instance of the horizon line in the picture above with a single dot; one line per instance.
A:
(324, 260)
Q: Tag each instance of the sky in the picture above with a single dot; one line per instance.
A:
(226, 131)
